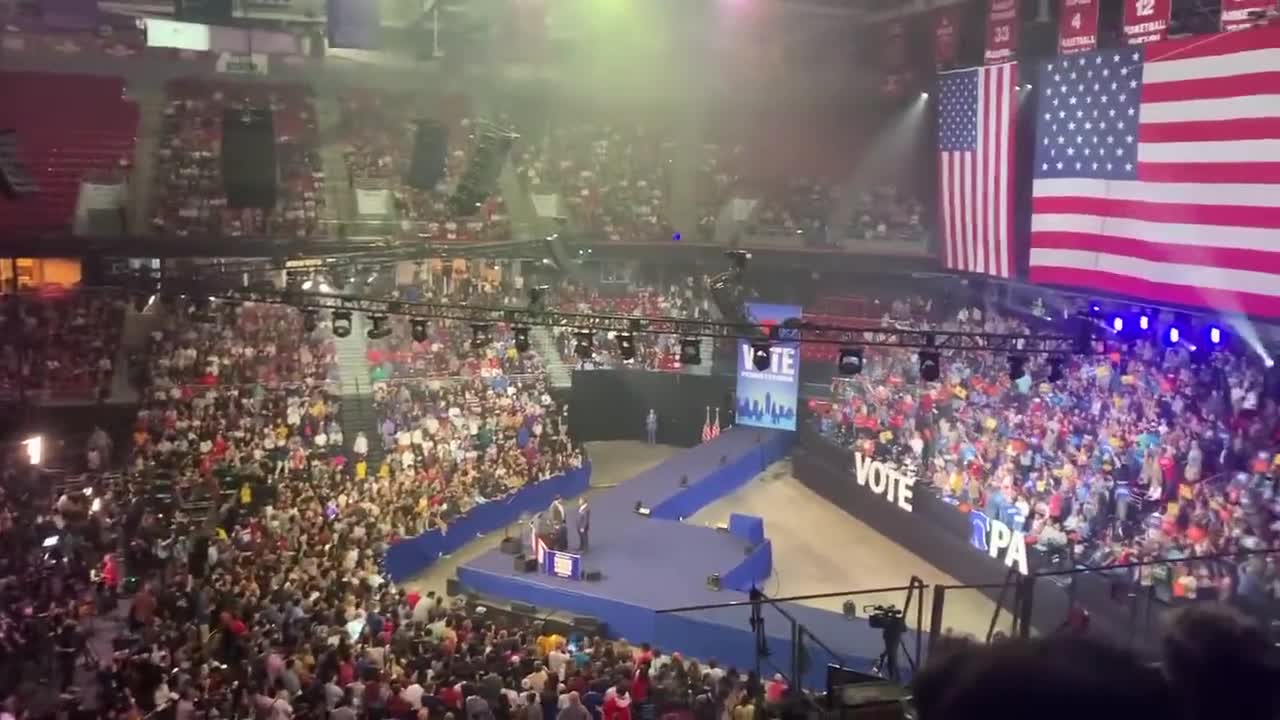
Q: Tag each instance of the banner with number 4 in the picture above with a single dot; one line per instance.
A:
(1078, 26)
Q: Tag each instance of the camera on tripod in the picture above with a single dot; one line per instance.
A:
(884, 617)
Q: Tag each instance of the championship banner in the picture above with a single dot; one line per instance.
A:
(946, 31)
(895, 57)
(767, 397)
(1078, 26)
(1002, 32)
(1241, 14)
(1146, 20)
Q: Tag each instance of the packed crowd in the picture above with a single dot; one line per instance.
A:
(1139, 454)
(190, 196)
(690, 299)
(451, 348)
(376, 130)
(614, 179)
(61, 345)
(453, 444)
(887, 213)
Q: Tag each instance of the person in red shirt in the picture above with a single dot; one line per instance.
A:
(618, 706)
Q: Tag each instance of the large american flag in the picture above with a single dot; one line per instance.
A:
(976, 111)
(1157, 172)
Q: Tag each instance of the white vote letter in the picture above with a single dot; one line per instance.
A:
(1000, 537)
(862, 468)
(1017, 555)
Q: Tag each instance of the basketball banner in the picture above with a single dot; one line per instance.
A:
(1078, 26)
(1146, 20)
(1241, 14)
(1002, 32)
(946, 31)
(894, 57)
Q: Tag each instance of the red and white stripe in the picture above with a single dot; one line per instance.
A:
(1200, 226)
(975, 188)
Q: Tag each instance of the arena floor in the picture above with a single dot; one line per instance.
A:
(817, 547)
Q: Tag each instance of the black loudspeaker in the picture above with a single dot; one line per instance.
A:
(520, 608)
(249, 159)
(511, 546)
(592, 575)
(14, 180)
(587, 624)
(430, 144)
(481, 177)
(452, 587)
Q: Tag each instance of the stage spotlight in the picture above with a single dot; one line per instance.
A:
(930, 365)
(1095, 310)
(480, 335)
(341, 323)
(522, 338)
(1215, 335)
(850, 362)
(1144, 322)
(418, 330)
(626, 346)
(1017, 367)
(310, 319)
(738, 259)
(1172, 335)
(381, 328)
(1055, 369)
(582, 342)
(761, 356)
(308, 283)
(690, 351)
(1117, 323)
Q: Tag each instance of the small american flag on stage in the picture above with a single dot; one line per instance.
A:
(976, 111)
(1157, 172)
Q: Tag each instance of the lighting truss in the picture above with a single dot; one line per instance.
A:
(803, 332)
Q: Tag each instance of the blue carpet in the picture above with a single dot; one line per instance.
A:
(657, 562)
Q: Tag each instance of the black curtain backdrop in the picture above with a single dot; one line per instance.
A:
(613, 404)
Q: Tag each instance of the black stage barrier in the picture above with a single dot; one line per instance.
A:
(940, 535)
(613, 404)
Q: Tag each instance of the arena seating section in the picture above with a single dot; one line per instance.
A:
(70, 128)
(189, 197)
(613, 176)
(59, 345)
(378, 140)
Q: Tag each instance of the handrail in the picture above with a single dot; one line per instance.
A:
(791, 598)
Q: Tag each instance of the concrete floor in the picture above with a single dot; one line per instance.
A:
(819, 548)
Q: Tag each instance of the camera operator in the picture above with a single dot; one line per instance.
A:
(889, 621)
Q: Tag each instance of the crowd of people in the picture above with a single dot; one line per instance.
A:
(887, 213)
(190, 196)
(59, 345)
(688, 299)
(613, 178)
(376, 130)
(1141, 453)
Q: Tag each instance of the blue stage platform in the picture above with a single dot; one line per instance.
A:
(657, 562)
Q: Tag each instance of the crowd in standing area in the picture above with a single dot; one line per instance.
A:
(1141, 453)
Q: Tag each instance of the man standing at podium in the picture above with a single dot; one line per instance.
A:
(584, 523)
(559, 524)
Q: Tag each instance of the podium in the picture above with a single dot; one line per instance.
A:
(560, 563)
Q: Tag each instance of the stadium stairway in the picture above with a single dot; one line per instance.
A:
(559, 372)
(141, 179)
(360, 415)
(351, 353)
(340, 202)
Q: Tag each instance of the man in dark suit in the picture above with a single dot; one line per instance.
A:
(559, 521)
(584, 523)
